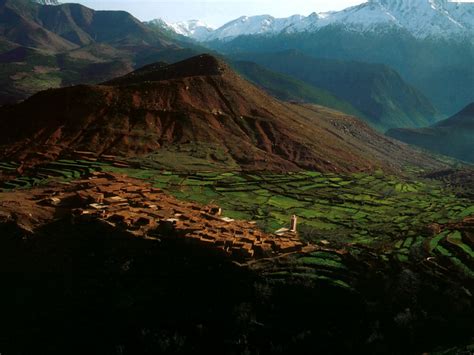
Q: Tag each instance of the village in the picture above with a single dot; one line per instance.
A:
(143, 211)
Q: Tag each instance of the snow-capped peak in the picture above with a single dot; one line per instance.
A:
(191, 28)
(195, 29)
(262, 24)
(47, 2)
(421, 18)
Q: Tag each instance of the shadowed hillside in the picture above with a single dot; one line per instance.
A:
(377, 91)
(453, 137)
(287, 88)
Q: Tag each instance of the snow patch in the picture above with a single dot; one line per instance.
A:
(421, 18)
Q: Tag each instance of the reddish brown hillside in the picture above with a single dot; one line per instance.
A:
(197, 101)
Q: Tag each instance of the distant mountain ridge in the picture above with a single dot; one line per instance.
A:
(420, 18)
(382, 97)
(430, 43)
(288, 88)
(453, 137)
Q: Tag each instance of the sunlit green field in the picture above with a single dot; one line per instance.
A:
(359, 208)
(378, 211)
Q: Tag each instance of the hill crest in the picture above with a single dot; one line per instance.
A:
(219, 117)
(201, 65)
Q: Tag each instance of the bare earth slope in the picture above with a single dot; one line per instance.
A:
(197, 101)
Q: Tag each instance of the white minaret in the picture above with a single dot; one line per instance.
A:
(294, 222)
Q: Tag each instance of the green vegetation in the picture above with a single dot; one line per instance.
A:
(358, 208)
(383, 212)
(456, 239)
(398, 50)
(366, 209)
(434, 241)
(377, 91)
(321, 262)
(288, 88)
(452, 137)
(197, 156)
(59, 171)
(376, 210)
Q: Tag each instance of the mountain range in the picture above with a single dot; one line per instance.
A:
(45, 47)
(453, 137)
(56, 46)
(194, 29)
(428, 42)
(421, 18)
(198, 105)
(51, 46)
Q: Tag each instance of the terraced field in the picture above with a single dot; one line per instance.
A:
(61, 170)
(359, 210)
(356, 208)
(377, 212)
(452, 249)
(321, 266)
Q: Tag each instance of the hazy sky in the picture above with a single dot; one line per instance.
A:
(215, 12)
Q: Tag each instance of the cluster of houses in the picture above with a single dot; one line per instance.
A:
(144, 211)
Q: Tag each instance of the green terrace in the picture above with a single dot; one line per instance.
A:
(59, 171)
(359, 208)
(377, 211)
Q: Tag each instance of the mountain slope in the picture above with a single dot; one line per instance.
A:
(376, 91)
(429, 42)
(287, 88)
(442, 69)
(278, 85)
(453, 137)
(192, 105)
(69, 26)
(20, 26)
(45, 47)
